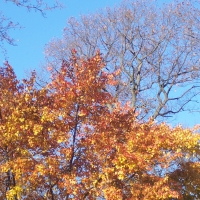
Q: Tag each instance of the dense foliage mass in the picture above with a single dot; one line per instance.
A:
(72, 139)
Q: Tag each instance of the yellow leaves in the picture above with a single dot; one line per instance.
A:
(112, 193)
(14, 193)
(37, 129)
(17, 133)
(27, 97)
(45, 114)
(120, 174)
(61, 138)
(150, 149)
(41, 169)
(21, 119)
(69, 138)
(178, 150)
(81, 114)
(5, 167)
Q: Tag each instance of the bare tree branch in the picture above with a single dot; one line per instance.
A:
(156, 49)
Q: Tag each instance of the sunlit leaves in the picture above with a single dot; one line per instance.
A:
(64, 141)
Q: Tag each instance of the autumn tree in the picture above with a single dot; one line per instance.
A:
(44, 127)
(62, 141)
(155, 47)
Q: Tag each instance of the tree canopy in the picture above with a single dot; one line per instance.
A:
(63, 142)
(90, 132)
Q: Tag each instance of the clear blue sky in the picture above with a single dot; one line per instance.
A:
(38, 31)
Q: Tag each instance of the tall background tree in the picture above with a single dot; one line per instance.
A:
(155, 47)
(86, 134)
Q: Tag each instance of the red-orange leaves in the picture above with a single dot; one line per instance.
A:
(139, 161)
(64, 142)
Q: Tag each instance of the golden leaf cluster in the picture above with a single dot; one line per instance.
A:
(63, 142)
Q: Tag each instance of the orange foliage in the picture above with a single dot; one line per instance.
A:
(64, 142)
